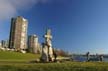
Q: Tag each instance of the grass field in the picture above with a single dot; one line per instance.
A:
(14, 61)
(67, 66)
(16, 56)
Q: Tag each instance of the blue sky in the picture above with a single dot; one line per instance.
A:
(78, 26)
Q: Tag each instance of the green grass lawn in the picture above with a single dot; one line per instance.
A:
(16, 56)
(14, 61)
(66, 66)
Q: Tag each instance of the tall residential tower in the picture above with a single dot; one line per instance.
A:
(18, 33)
(33, 44)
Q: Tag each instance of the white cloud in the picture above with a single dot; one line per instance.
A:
(9, 8)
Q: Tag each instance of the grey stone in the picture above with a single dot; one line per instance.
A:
(47, 50)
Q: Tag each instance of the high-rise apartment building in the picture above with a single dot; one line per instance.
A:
(18, 33)
(4, 43)
(33, 44)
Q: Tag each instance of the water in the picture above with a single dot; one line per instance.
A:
(82, 59)
(105, 59)
(79, 58)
